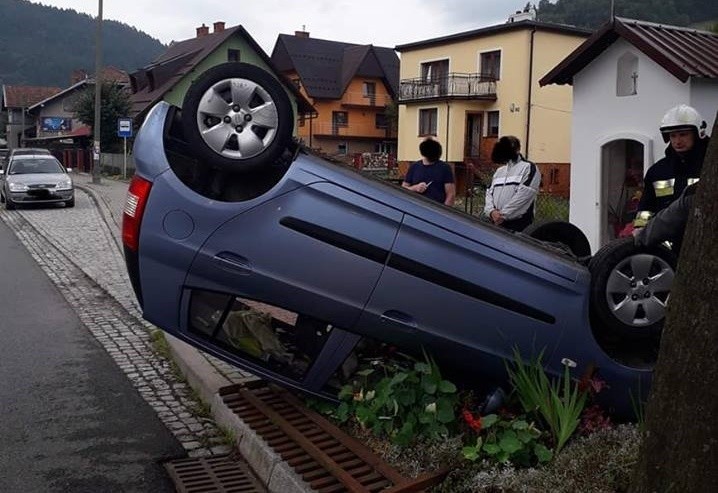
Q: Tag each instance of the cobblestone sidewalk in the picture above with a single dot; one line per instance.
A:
(80, 256)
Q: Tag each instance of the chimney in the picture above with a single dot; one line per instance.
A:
(202, 31)
(77, 76)
(301, 34)
(218, 26)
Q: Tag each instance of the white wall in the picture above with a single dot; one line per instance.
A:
(599, 117)
(704, 98)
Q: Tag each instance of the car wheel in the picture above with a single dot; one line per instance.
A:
(70, 203)
(630, 287)
(9, 204)
(238, 117)
(561, 232)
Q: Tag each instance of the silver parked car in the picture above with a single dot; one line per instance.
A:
(40, 178)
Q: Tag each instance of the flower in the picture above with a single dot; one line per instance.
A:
(592, 385)
(474, 423)
(370, 395)
(594, 419)
(568, 362)
(431, 408)
(359, 396)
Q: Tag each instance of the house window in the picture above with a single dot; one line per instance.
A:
(427, 121)
(380, 120)
(491, 64)
(435, 76)
(492, 126)
(434, 71)
(627, 75)
(340, 119)
(369, 92)
(343, 149)
(232, 55)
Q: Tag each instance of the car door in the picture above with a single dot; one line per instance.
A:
(467, 301)
(310, 259)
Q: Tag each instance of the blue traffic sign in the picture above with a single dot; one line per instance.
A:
(124, 127)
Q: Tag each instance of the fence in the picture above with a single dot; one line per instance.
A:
(471, 183)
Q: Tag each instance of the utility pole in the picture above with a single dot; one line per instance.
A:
(98, 91)
(613, 9)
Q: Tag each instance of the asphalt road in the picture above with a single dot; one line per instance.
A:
(70, 420)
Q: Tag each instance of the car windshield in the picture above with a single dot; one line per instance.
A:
(26, 166)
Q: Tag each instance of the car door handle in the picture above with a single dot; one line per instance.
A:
(234, 262)
(400, 320)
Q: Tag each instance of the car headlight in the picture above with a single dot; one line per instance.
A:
(64, 185)
(17, 187)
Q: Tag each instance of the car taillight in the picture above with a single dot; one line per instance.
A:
(137, 196)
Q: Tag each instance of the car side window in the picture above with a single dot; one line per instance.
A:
(277, 339)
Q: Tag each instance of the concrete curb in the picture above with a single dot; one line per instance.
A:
(269, 467)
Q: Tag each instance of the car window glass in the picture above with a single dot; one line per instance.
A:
(275, 338)
(26, 166)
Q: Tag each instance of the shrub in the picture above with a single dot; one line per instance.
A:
(401, 403)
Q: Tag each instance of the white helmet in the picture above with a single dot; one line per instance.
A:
(682, 117)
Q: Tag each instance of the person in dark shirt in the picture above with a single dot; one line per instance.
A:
(431, 176)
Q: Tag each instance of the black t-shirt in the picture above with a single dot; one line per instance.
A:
(437, 174)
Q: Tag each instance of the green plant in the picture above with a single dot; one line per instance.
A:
(403, 403)
(638, 407)
(558, 403)
(503, 440)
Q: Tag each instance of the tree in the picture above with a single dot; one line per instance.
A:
(680, 447)
(114, 104)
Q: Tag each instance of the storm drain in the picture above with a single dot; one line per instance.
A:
(219, 473)
(325, 457)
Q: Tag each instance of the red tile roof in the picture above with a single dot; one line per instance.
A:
(681, 51)
(24, 96)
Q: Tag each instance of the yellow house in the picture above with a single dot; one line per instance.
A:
(467, 89)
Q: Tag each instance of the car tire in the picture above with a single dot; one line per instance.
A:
(565, 233)
(237, 118)
(70, 203)
(630, 287)
(9, 204)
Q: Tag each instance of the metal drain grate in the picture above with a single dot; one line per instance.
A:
(328, 459)
(219, 473)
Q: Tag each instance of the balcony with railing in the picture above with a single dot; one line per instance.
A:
(352, 130)
(360, 99)
(450, 86)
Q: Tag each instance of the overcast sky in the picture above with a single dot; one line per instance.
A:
(379, 22)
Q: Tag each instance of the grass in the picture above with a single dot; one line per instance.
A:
(162, 349)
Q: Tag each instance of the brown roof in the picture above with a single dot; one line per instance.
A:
(327, 67)
(151, 83)
(681, 51)
(24, 96)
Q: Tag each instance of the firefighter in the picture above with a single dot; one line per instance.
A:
(685, 129)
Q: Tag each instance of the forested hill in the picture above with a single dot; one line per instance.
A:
(42, 45)
(593, 13)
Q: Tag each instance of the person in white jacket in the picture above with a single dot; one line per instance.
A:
(511, 197)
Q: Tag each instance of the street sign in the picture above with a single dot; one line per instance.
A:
(124, 127)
